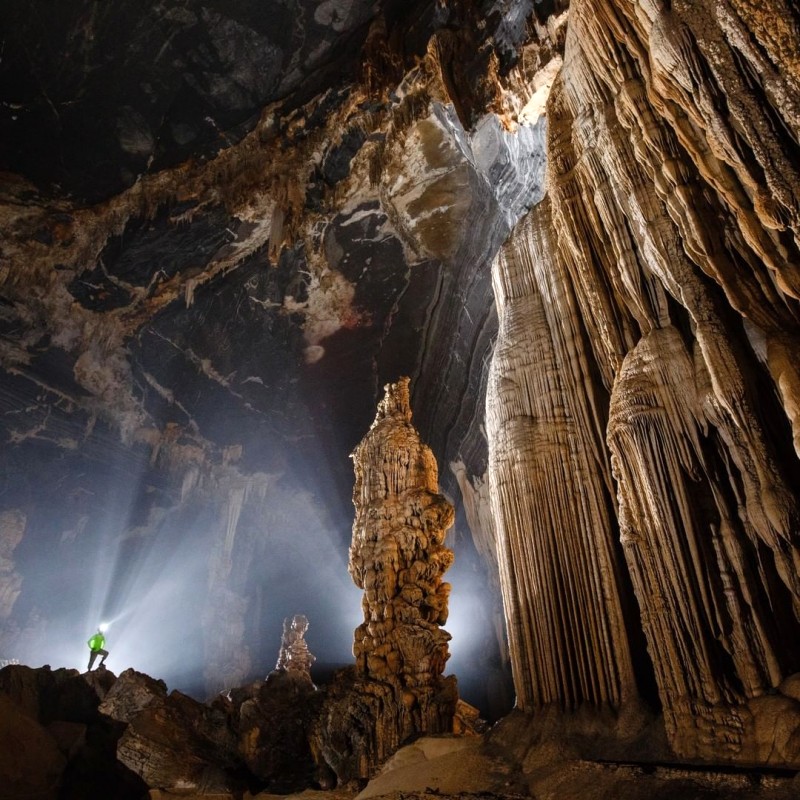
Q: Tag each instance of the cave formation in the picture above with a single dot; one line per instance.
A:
(294, 655)
(574, 225)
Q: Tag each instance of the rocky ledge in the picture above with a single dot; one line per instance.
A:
(69, 735)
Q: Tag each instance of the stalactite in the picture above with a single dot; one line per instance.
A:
(670, 285)
(567, 633)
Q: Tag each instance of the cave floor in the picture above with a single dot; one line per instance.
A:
(445, 768)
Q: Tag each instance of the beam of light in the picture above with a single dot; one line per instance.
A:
(305, 571)
(467, 620)
(147, 579)
(143, 583)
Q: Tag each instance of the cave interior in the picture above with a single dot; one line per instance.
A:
(568, 230)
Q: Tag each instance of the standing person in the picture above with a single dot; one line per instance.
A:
(96, 644)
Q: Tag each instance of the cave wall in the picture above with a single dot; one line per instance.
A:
(642, 393)
(191, 347)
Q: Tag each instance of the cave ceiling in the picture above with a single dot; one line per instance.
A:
(226, 226)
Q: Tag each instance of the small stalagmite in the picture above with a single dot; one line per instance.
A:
(294, 655)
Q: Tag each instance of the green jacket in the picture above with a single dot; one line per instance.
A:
(96, 642)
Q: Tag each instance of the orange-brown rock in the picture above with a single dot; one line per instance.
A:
(642, 392)
(398, 557)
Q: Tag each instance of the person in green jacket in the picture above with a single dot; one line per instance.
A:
(96, 644)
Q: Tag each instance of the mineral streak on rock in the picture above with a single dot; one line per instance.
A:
(558, 568)
(686, 568)
(294, 655)
(12, 529)
(397, 555)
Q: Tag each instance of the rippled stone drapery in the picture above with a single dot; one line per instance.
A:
(566, 624)
(652, 302)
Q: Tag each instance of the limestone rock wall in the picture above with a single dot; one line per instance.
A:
(642, 390)
(12, 529)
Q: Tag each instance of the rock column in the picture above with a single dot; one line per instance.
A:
(294, 655)
(398, 557)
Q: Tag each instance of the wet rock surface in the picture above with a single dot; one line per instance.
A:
(636, 346)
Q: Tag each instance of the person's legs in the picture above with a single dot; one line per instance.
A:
(92, 657)
(103, 653)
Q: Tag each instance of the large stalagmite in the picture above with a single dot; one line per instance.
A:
(398, 557)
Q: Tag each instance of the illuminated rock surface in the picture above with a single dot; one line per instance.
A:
(294, 655)
(397, 556)
(224, 234)
(640, 393)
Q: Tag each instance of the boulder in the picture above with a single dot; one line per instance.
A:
(30, 762)
(131, 693)
(70, 737)
(273, 725)
(176, 742)
(62, 694)
(29, 689)
(773, 730)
